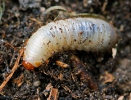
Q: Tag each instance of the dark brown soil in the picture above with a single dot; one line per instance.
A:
(89, 76)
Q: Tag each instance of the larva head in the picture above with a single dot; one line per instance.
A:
(27, 65)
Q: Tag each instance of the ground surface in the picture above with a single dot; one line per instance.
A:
(104, 78)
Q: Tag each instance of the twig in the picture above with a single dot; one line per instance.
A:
(62, 64)
(84, 75)
(16, 65)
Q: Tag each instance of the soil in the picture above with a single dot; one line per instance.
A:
(87, 76)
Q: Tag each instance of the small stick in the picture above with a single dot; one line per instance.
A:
(62, 64)
(37, 21)
(83, 73)
(16, 65)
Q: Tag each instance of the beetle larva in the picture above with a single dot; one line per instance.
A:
(88, 34)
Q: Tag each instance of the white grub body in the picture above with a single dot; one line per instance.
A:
(88, 34)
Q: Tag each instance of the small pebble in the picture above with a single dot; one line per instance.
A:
(36, 83)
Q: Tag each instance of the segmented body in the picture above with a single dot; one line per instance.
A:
(89, 34)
